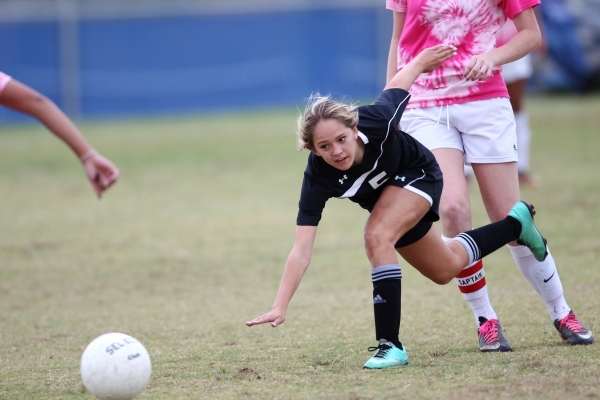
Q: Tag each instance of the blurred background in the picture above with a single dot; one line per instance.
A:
(122, 58)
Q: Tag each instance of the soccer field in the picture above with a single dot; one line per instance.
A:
(191, 243)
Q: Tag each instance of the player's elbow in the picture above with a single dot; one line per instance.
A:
(534, 38)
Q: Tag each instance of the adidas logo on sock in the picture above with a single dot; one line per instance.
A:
(378, 300)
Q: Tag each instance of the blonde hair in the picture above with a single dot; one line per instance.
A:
(322, 107)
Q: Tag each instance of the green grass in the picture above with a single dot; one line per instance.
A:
(191, 243)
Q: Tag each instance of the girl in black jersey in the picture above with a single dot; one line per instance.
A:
(360, 155)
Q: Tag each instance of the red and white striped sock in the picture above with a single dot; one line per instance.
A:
(472, 285)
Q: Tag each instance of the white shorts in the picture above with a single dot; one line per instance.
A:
(518, 70)
(483, 130)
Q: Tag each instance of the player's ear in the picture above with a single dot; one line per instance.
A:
(312, 149)
(355, 132)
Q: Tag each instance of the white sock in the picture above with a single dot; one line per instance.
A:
(470, 281)
(480, 305)
(523, 140)
(543, 276)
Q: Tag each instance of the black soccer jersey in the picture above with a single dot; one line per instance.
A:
(390, 157)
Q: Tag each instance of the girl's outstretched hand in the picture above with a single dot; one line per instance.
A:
(275, 317)
(431, 57)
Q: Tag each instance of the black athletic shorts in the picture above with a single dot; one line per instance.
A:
(428, 183)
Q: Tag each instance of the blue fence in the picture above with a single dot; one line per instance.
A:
(181, 64)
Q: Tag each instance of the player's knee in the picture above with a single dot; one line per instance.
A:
(376, 239)
(446, 278)
(443, 272)
(441, 277)
(370, 238)
(455, 213)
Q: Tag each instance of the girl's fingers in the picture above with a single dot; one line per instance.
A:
(257, 321)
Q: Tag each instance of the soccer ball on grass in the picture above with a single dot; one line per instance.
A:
(115, 366)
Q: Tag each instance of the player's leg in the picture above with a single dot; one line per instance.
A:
(516, 91)
(433, 127)
(396, 212)
(393, 217)
(440, 262)
(455, 205)
(499, 187)
(455, 210)
(515, 75)
(426, 255)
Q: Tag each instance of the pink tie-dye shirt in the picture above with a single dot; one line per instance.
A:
(470, 25)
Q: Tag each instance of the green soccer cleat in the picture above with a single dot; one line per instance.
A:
(387, 355)
(530, 236)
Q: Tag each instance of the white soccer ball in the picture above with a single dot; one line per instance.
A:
(115, 366)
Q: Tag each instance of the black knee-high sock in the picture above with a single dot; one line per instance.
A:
(485, 240)
(386, 302)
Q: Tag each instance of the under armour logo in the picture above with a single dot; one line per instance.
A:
(342, 180)
(515, 146)
(402, 178)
